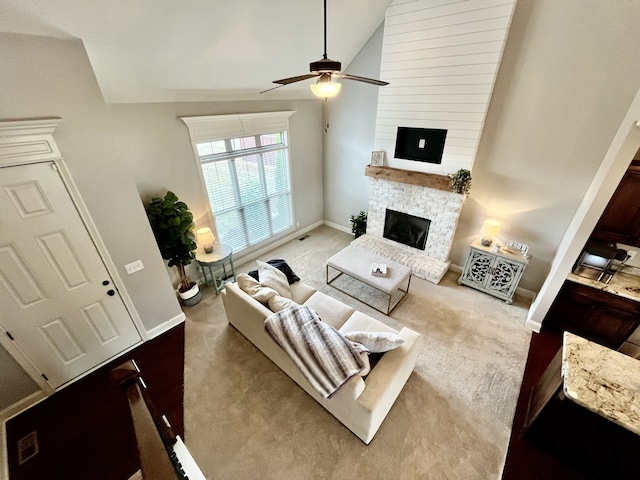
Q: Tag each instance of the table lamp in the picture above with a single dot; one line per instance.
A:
(205, 238)
(490, 230)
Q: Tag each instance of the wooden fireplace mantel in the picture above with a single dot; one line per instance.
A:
(423, 179)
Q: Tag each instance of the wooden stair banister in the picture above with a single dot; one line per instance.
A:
(150, 430)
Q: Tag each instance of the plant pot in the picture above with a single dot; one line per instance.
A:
(191, 296)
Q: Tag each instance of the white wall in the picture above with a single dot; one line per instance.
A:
(122, 155)
(441, 58)
(568, 75)
(348, 140)
(14, 383)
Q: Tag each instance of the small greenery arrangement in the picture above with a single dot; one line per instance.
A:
(461, 181)
(172, 225)
(359, 223)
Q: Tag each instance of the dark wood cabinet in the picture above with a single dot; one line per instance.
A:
(588, 443)
(620, 221)
(599, 316)
(85, 430)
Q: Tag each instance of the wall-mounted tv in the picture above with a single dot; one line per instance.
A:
(420, 144)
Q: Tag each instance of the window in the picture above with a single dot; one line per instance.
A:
(247, 181)
(244, 164)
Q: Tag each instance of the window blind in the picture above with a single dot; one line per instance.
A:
(249, 188)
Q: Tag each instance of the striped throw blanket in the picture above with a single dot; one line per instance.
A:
(323, 355)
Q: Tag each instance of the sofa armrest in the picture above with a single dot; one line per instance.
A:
(386, 379)
(240, 307)
(352, 389)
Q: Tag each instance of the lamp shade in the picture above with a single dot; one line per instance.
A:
(490, 229)
(325, 87)
(205, 238)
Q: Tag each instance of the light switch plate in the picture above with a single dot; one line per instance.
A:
(134, 266)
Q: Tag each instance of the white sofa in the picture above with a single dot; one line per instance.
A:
(360, 404)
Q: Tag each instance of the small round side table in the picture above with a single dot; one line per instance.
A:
(221, 255)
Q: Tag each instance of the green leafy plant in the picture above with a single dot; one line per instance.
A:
(172, 225)
(461, 181)
(359, 223)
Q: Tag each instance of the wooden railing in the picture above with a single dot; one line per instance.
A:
(154, 436)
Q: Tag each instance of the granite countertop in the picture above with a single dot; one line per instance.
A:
(623, 284)
(602, 380)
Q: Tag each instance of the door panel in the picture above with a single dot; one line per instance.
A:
(17, 279)
(58, 300)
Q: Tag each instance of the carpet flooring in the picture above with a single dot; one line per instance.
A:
(245, 419)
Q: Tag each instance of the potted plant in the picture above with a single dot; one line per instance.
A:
(461, 181)
(172, 225)
(359, 223)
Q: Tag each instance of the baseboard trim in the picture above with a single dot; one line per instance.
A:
(21, 405)
(163, 327)
(342, 228)
(533, 325)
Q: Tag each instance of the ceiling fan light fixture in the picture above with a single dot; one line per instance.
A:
(326, 69)
(325, 87)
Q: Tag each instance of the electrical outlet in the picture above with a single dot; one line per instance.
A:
(134, 266)
(27, 447)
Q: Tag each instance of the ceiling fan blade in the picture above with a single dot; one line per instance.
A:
(269, 89)
(372, 81)
(299, 78)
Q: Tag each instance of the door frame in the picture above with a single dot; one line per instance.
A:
(31, 141)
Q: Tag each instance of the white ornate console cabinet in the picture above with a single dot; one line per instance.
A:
(496, 273)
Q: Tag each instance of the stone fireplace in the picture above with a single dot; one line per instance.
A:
(419, 194)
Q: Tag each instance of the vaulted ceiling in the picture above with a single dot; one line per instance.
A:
(200, 50)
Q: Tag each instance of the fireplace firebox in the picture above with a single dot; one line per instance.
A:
(406, 229)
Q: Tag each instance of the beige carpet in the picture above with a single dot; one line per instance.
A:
(245, 419)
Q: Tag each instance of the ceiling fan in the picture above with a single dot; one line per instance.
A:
(327, 70)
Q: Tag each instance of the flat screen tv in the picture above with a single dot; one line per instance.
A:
(406, 229)
(420, 144)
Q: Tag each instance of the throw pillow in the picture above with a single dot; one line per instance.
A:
(376, 342)
(281, 265)
(253, 288)
(277, 303)
(271, 277)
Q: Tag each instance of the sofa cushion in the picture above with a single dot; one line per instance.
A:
(300, 292)
(330, 310)
(271, 277)
(359, 322)
(376, 342)
(254, 289)
(277, 303)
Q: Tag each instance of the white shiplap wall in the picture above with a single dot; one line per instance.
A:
(441, 58)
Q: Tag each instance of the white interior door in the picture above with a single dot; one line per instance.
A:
(58, 302)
